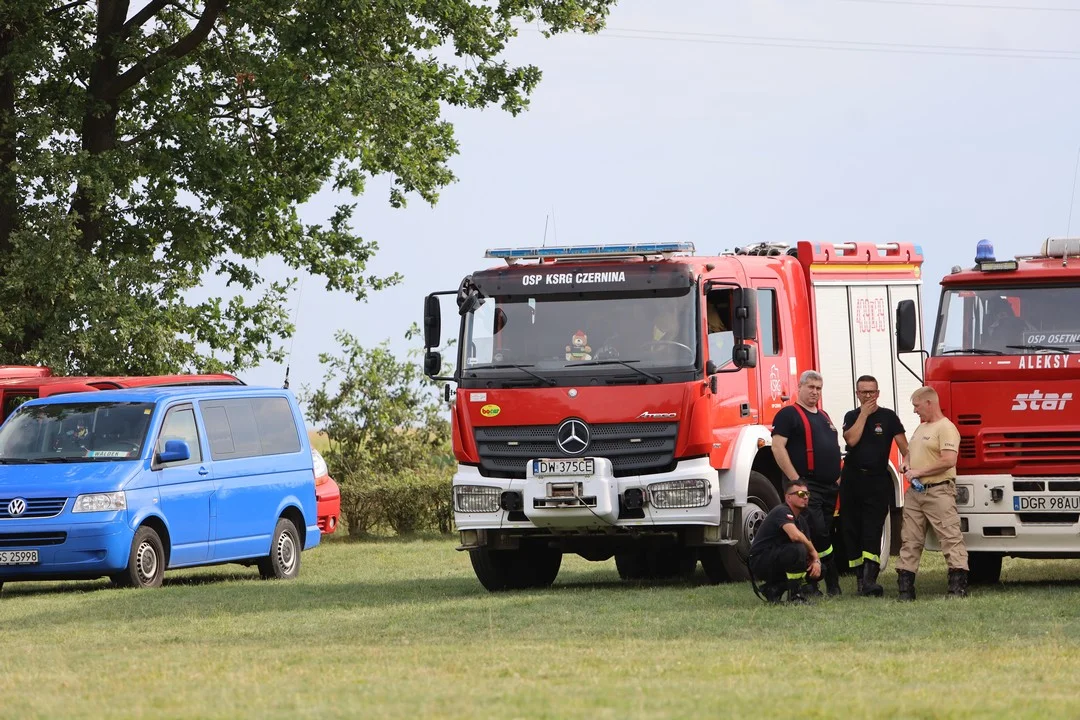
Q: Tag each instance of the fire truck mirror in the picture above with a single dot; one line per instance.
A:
(745, 316)
(744, 356)
(432, 363)
(432, 321)
(905, 326)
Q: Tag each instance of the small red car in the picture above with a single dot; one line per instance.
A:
(327, 495)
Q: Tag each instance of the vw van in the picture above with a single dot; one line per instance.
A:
(128, 483)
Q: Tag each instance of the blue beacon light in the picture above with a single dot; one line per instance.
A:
(984, 251)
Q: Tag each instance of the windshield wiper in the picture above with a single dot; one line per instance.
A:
(522, 368)
(973, 351)
(1065, 351)
(60, 459)
(20, 461)
(624, 363)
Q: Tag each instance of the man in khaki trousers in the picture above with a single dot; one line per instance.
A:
(931, 469)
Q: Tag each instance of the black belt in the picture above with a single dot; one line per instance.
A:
(939, 482)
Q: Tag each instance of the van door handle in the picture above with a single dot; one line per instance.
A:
(203, 471)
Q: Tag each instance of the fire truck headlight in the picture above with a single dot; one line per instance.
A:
(476, 498)
(680, 494)
(963, 494)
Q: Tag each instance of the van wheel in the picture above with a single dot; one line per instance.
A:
(146, 561)
(761, 498)
(283, 562)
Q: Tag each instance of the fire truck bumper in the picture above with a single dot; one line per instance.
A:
(1036, 516)
(583, 494)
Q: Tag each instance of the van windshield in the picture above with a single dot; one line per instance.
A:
(75, 432)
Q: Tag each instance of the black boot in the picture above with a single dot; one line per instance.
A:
(905, 583)
(858, 570)
(831, 573)
(796, 594)
(774, 592)
(869, 586)
(957, 583)
(810, 590)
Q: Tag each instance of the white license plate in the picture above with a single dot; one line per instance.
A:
(560, 467)
(1046, 503)
(18, 557)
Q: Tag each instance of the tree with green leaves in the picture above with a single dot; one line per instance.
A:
(389, 443)
(147, 146)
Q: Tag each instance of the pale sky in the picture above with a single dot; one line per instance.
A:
(735, 122)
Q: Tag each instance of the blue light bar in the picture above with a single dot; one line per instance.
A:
(589, 251)
(984, 251)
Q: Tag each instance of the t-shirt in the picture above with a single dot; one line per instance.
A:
(788, 423)
(926, 445)
(771, 535)
(871, 453)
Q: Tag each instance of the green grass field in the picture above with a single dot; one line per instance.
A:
(401, 629)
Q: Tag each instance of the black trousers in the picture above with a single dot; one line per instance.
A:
(819, 513)
(864, 505)
(782, 563)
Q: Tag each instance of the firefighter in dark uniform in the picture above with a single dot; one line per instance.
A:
(866, 488)
(817, 462)
(782, 556)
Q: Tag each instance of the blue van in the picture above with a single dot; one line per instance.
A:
(126, 483)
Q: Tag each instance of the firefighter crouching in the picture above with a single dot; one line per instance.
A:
(932, 497)
(866, 486)
(782, 556)
(805, 445)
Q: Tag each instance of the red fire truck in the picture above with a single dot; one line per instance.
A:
(616, 401)
(1005, 360)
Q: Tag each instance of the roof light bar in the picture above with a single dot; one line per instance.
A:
(512, 255)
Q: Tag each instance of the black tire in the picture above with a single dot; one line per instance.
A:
(761, 498)
(712, 562)
(526, 568)
(283, 562)
(633, 565)
(984, 568)
(540, 569)
(146, 561)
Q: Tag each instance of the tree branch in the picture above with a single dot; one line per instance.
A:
(178, 49)
(64, 8)
(150, 10)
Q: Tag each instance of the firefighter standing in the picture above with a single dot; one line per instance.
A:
(933, 451)
(782, 555)
(817, 462)
(866, 488)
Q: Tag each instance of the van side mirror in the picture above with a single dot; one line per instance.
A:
(432, 321)
(745, 316)
(744, 356)
(175, 451)
(432, 363)
(906, 321)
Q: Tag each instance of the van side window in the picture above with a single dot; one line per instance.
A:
(179, 424)
(249, 427)
(769, 322)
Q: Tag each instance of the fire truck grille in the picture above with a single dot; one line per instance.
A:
(632, 448)
(1032, 448)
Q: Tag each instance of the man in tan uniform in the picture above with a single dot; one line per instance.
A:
(932, 456)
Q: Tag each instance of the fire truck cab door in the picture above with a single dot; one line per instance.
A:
(776, 369)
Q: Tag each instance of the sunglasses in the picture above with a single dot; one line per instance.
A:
(800, 493)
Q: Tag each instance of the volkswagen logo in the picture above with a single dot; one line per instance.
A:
(18, 506)
(572, 436)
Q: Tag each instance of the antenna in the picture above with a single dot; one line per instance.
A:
(544, 244)
(1072, 201)
(292, 343)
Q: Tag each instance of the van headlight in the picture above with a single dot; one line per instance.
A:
(100, 502)
(679, 494)
(476, 498)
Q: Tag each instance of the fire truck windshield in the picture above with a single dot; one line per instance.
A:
(1008, 321)
(554, 332)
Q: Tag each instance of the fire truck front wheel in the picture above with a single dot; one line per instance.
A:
(984, 568)
(521, 569)
(761, 498)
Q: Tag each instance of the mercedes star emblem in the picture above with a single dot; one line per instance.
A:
(18, 506)
(572, 436)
